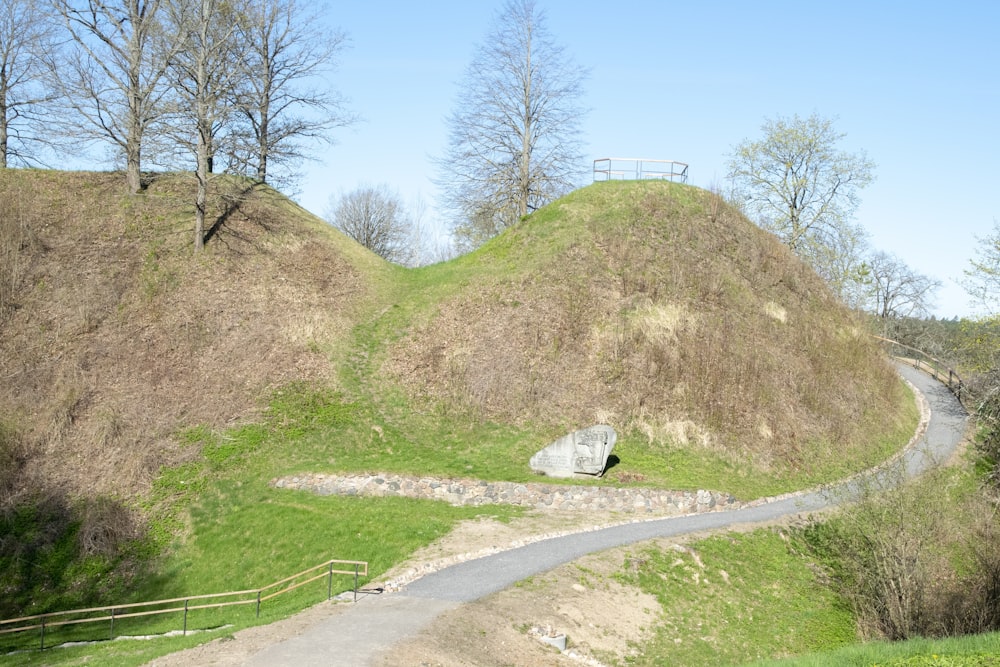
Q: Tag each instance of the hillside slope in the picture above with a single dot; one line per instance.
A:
(647, 305)
(115, 336)
(129, 366)
(658, 309)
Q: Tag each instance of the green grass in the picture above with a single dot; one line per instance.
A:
(224, 528)
(247, 535)
(217, 524)
(972, 651)
(767, 598)
(737, 596)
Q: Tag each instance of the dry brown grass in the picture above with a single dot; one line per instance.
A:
(646, 305)
(655, 307)
(114, 335)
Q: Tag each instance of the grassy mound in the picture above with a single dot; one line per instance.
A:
(658, 309)
(147, 390)
(115, 336)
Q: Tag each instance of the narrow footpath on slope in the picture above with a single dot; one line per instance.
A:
(358, 634)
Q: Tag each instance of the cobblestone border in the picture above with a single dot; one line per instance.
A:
(471, 492)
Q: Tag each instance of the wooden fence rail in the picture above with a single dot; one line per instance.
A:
(925, 362)
(256, 596)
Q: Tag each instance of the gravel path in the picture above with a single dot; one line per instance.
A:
(359, 634)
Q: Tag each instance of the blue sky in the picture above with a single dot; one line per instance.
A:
(916, 85)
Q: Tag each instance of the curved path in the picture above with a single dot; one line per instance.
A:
(359, 634)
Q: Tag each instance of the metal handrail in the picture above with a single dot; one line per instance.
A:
(360, 569)
(624, 168)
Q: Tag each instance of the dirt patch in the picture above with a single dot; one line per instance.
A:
(601, 620)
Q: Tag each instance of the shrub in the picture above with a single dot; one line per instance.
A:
(920, 560)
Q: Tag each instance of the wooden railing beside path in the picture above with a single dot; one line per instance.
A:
(925, 362)
(183, 605)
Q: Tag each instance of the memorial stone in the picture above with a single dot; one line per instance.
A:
(582, 452)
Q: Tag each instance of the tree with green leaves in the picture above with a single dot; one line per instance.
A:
(982, 282)
(796, 183)
(982, 278)
(513, 141)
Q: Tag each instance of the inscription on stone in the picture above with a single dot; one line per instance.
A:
(582, 452)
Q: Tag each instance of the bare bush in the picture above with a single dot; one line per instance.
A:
(13, 457)
(973, 604)
(988, 422)
(105, 526)
(916, 561)
(15, 240)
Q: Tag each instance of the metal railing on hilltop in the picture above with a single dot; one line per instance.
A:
(925, 362)
(630, 168)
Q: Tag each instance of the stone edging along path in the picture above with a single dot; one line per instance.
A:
(471, 492)
(607, 506)
(638, 502)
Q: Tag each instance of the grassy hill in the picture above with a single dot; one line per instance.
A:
(653, 307)
(149, 394)
(115, 336)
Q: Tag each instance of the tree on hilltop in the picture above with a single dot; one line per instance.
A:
(205, 74)
(26, 34)
(112, 74)
(513, 141)
(796, 183)
(286, 45)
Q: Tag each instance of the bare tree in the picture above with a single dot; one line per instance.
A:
(286, 49)
(514, 136)
(427, 245)
(205, 74)
(897, 290)
(114, 71)
(26, 33)
(375, 218)
(796, 184)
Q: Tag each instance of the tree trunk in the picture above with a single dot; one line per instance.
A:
(203, 158)
(264, 133)
(134, 129)
(133, 172)
(3, 136)
(262, 154)
(524, 186)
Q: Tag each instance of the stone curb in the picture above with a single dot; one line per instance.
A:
(471, 492)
